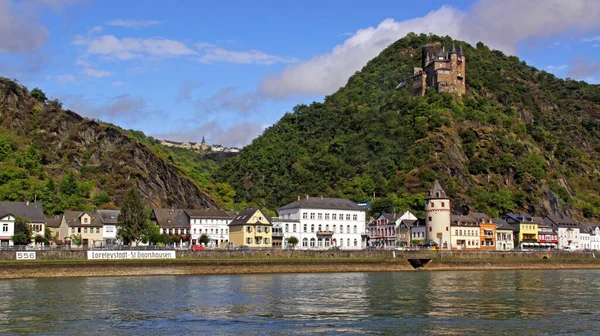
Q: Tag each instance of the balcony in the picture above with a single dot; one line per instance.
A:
(324, 233)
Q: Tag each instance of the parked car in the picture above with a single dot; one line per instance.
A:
(198, 247)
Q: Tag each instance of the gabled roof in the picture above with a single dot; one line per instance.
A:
(501, 224)
(391, 217)
(73, 219)
(480, 216)
(53, 222)
(244, 216)
(323, 203)
(464, 220)
(110, 217)
(436, 192)
(561, 221)
(513, 218)
(409, 222)
(208, 213)
(30, 210)
(587, 227)
(171, 218)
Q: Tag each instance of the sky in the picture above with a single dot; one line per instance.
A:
(226, 70)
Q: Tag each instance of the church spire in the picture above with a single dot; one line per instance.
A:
(203, 140)
(453, 48)
(460, 51)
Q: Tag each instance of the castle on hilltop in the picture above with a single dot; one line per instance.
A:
(200, 147)
(444, 71)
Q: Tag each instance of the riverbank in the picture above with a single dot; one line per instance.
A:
(92, 268)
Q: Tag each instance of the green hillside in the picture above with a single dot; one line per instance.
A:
(520, 139)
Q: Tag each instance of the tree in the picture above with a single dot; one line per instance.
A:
(293, 241)
(204, 239)
(133, 220)
(39, 95)
(76, 239)
(20, 238)
(22, 226)
(68, 185)
(40, 239)
(154, 237)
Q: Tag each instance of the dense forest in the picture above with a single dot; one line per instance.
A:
(520, 139)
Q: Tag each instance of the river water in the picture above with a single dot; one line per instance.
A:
(431, 303)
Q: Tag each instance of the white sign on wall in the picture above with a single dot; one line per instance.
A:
(26, 255)
(99, 255)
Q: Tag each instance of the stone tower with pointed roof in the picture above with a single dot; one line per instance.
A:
(441, 70)
(203, 145)
(438, 216)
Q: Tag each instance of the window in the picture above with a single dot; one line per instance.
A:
(429, 219)
(334, 228)
(320, 240)
(348, 241)
(294, 228)
(312, 242)
(287, 227)
(312, 227)
(327, 216)
(226, 231)
(431, 204)
(347, 228)
(84, 230)
(446, 229)
(5, 228)
(248, 240)
(97, 230)
(442, 204)
(341, 216)
(430, 229)
(305, 228)
(312, 215)
(341, 229)
(85, 220)
(257, 240)
(305, 242)
(355, 230)
(194, 231)
(266, 240)
(319, 215)
(249, 229)
(267, 229)
(319, 227)
(354, 217)
(327, 227)
(212, 231)
(348, 217)
(72, 229)
(355, 242)
(334, 216)
(304, 215)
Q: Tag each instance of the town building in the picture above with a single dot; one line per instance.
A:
(487, 231)
(212, 222)
(465, 232)
(53, 226)
(405, 224)
(172, 222)
(525, 230)
(418, 234)
(32, 211)
(594, 231)
(84, 226)
(323, 222)
(441, 70)
(251, 228)
(567, 229)
(504, 235)
(437, 216)
(547, 236)
(277, 234)
(382, 232)
(109, 219)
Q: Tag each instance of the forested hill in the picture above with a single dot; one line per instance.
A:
(520, 139)
(68, 162)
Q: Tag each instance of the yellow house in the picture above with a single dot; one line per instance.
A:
(526, 229)
(79, 223)
(251, 228)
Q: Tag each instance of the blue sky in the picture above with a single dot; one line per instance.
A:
(226, 70)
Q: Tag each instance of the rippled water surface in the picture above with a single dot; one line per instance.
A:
(435, 303)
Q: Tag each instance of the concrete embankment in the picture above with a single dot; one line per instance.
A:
(73, 263)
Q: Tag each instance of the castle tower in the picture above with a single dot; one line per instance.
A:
(203, 145)
(438, 216)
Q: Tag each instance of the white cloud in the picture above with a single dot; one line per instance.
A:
(231, 99)
(20, 29)
(591, 39)
(584, 68)
(90, 72)
(61, 79)
(499, 24)
(95, 29)
(118, 83)
(133, 23)
(121, 108)
(557, 67)
(130, 48)
(236, 135)
(186, 88)
(213, 54)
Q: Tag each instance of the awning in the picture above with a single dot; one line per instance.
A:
(536, 244)
(526, 244)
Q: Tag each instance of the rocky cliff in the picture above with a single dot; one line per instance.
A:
(98, 155)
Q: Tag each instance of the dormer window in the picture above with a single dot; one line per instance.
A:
(85, 220)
